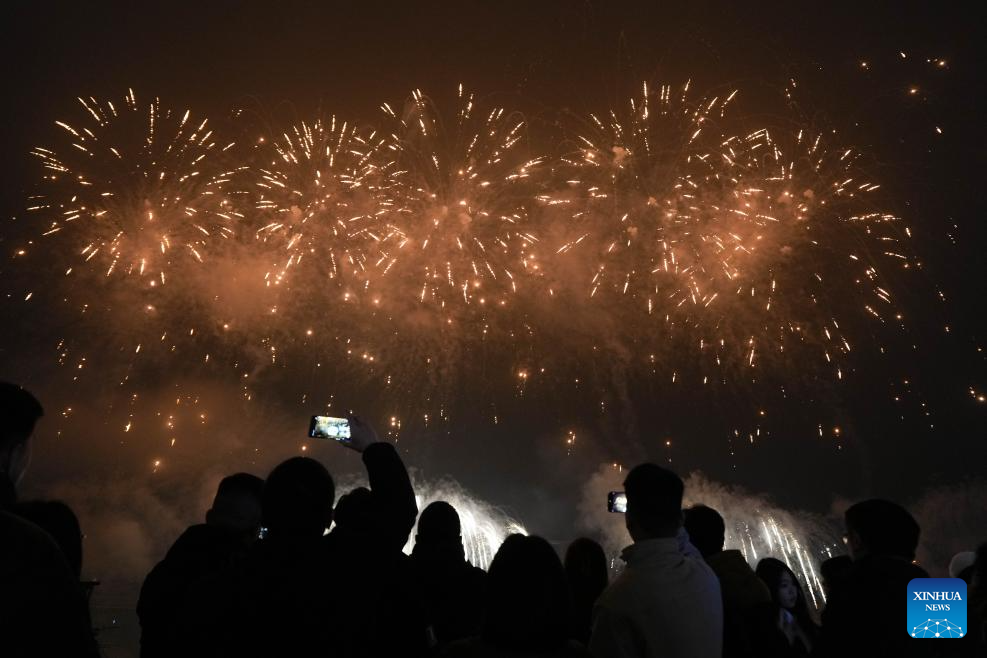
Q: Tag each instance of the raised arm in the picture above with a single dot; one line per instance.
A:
(395, 509)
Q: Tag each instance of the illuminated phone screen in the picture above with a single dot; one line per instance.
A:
(328, 427)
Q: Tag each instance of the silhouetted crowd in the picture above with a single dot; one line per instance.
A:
(264, 577)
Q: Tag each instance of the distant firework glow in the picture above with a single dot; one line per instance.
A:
(671, 235)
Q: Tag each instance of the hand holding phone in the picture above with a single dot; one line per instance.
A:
(362, 435)
(351, 432)
(617, 502)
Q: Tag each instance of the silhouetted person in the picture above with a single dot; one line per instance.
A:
(283, 605)
(586, 570)
(368, 564)
(796, 630)
(977, 608)
(451, 587)
(745, 596)
(174, 610)
(42, 608)
(664, 603)
(834, 573)
(58, 520)
(348, 593)
(865, 616)
(19, 412)
(527, 605)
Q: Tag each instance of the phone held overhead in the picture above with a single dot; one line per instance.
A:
(329, 427)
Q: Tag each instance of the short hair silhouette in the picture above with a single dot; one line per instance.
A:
(238, 502)
(19, 411)
(654, 499)
(527, 598)
(297, 498)
(439, 522)
(240, 483)
(706, 529)
(354, 511)
(884, 528)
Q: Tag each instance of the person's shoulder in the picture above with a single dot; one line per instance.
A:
(29, 552)
(880, 569)
(729, 562)
(475, 573)
(193, 538)
(464, 575)
(699, 569)
(621, 592)
(706, 577)
(22, 535)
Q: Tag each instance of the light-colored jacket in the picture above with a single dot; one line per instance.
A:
(663, 605)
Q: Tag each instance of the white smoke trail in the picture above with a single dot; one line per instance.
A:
(484, 526)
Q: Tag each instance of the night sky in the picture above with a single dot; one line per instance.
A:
(291, 60)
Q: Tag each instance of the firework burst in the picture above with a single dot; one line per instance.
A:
(732, 239)
(137, 186)
(632, 175)
(321, 199)
(462, 229)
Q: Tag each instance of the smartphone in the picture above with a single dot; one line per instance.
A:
(328, 427)
(617, 502)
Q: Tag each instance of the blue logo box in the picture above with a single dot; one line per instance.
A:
(937, 608)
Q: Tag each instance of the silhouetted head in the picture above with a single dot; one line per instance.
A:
(834, 572)
(354, 511)
(654, 502)
(706, 529)
(961, 565)
(880, 527)
(586, 568)
(297, 499)
(527, 598)
(19, 411)
(58, 520)
(439, 524)
(237, 505)
(786, 592)
(978, 579)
